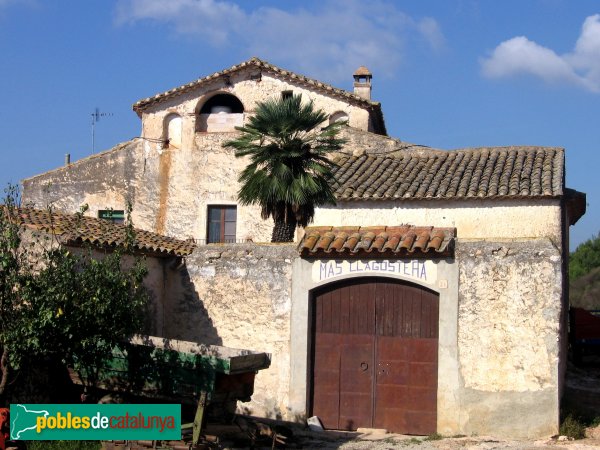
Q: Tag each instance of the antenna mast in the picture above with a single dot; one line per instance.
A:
(96, 118)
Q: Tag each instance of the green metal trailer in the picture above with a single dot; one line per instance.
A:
(174, 371)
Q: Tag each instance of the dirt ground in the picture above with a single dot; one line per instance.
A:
(582, 399)
(377, 440)
(390, 441)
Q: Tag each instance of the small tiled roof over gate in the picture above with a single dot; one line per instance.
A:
(76, 229)
(375, 242)
(491, 173)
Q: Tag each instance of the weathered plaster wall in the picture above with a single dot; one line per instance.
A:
(102, 180)
(509, 311)
(249, 92)
(499, 328)
(240, 297)
(473, 219)
(169, 188)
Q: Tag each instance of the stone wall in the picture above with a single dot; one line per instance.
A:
(500, 329)
(509, 336)
(101, 181)
(239, 296)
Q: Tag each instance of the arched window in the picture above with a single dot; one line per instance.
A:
(220, 113)
(339, 116)
(172, 130)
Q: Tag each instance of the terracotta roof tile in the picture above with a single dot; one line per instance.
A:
(497, 172)
(77, 229)
(141, 105)
(377, 241)
(362, 71)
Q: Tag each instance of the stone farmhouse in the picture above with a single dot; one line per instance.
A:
(431, 298)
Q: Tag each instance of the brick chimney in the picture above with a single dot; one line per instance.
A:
(362, 82)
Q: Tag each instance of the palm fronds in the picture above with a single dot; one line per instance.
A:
(289, 169)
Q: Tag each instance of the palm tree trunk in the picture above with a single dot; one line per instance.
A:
(284, 231)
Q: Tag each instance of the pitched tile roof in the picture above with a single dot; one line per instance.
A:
(76, 229)
(383, 241)
(499, 172)
(311, 83)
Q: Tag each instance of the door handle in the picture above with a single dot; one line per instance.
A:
(364, 366)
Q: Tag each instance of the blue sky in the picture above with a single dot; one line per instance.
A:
(450, 74)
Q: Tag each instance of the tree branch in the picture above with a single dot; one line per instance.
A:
(4, 366)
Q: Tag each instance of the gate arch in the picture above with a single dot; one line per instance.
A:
(374, 355)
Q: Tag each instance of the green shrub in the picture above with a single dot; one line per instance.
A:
(572, 427)
(584, 258)
(434, 437)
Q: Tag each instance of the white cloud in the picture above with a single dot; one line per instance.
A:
(430, 29)
(4, 3)
(211, 19)
(520, 55)
(330, 41)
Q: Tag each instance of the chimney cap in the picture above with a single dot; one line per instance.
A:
(362, 71)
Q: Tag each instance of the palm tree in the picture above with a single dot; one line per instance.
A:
(289, 171)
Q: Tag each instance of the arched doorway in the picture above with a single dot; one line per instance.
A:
(375, 356)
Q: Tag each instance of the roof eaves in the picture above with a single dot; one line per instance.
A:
(141, 105)
(449, 198)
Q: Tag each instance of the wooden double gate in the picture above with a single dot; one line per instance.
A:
(375, 353)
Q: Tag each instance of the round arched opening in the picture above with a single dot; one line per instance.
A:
(172, 130)
(220, 113)
(222, 103)
(339, 116)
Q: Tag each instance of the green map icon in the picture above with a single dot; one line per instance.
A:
(23, 419)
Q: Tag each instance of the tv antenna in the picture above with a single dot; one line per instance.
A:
(96, 118)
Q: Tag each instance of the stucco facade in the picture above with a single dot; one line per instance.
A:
(474, 219)
(499, 343)
(500, 278)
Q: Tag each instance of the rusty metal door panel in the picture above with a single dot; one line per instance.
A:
(423, 350)
(421, 423)
(406, 357)
(393, 364)
(404, 387)
(375, 356)
(356, 382)
(422, 374)
(326, 379)
(392, 383)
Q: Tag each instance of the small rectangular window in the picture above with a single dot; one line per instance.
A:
(114, 215)
(287, 94)
(221, 224)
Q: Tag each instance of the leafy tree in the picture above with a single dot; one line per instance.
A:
(289, 171)
(54, 303)
(585, 258)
